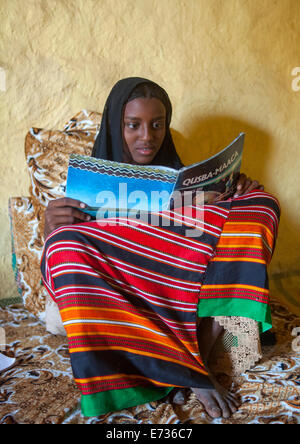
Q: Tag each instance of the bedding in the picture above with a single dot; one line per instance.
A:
(39, 388)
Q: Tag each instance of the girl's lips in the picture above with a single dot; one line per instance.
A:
(146, 151)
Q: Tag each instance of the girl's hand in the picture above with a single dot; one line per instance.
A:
(245, 185)
(64, 211)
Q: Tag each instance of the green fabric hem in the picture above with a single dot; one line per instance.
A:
(235, 307)
(115, 400)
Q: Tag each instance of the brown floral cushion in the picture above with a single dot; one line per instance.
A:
(26, 225)
(47, 154)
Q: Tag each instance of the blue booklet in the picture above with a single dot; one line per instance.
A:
(111, 188)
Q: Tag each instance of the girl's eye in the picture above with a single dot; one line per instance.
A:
(135, 125)
(132, 125)
(158, 125)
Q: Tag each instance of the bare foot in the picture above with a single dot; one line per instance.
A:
(218, 402)
(217, 405)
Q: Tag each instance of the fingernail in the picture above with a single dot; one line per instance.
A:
(236, 195)
(82, 205)
(88, 217)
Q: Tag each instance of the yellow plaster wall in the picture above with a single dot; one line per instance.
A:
(226, 64)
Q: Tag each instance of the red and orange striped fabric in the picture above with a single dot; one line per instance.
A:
(241, 258)
(128, 293)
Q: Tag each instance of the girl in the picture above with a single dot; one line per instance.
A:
(138, 302)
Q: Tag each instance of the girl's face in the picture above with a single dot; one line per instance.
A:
(144, 128)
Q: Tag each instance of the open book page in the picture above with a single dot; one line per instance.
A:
(112, 189)
(215, 176)
(112, 186)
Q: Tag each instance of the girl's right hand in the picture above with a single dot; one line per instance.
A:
(64, 211)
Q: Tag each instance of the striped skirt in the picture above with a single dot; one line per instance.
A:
(130, 292)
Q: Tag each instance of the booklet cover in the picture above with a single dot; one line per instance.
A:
(112, 188)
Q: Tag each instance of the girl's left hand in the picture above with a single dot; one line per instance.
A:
(245, 185)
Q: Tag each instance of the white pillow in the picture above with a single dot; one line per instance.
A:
(54, 323)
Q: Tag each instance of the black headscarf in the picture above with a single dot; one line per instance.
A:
(109, 142)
